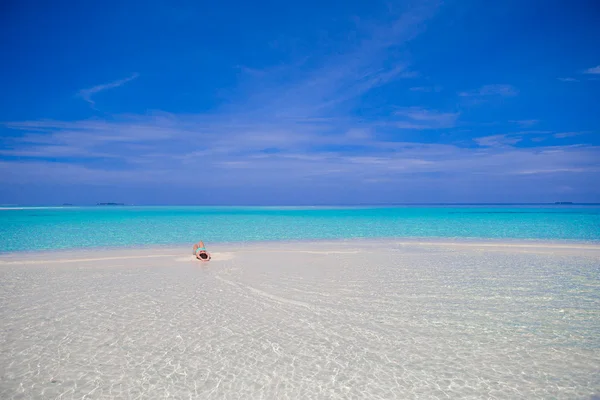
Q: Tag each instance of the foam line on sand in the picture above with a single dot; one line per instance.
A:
(227, 252)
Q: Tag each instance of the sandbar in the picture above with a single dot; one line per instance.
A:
(374, 319)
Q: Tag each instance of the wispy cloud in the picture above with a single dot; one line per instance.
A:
(590, 71)
(426, 89)
(290, 125)
(410, 74)
(421, 118)
(497, 140)
(491, 90)
(86, 94)
(550, 171)
(594, 70)
(299, 108)
(317, 86)
(562, 135)
(525, 123)
(166, 148)
(509, 139)
(239, 159)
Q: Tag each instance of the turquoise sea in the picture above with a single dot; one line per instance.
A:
(54, 228)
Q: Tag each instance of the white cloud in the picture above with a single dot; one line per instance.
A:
(359, 134)
(421, 118)
(551, 171)
(509, 139)
(288, 108)
(497, 140)
(178, 147)
(563, 135)
(594, 70)
(426, 89)
(491, 90)
(87, 94)
(568, 79)
(308, 108)
(406, 162)
(320, 85)
(277, 132)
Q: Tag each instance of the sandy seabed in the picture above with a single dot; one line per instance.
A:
(405, 319)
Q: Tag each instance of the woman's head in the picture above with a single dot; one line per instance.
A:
(203, 255)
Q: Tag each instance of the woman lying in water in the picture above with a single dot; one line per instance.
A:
(200, 252)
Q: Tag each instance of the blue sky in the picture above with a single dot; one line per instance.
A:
(311, 102)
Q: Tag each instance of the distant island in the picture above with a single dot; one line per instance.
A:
(563, 202)
(110, 204)
(67, 204)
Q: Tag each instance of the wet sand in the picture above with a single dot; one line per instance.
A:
(407, 319)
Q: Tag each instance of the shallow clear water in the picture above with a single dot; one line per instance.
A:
(68, 228)
(291, 321)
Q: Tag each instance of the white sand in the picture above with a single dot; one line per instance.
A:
(376, 319)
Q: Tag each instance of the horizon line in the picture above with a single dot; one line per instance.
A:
(67, 205)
